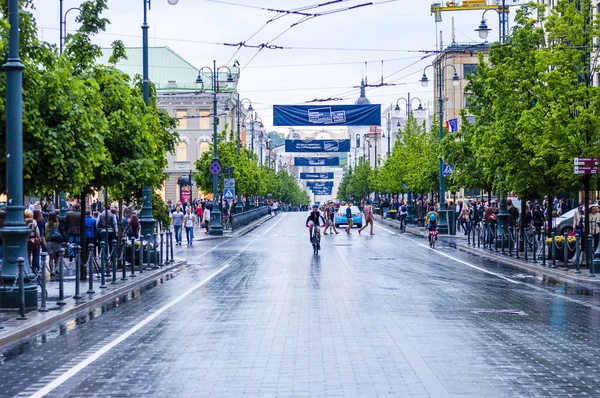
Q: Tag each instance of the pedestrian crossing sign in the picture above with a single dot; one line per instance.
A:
(229, 194)
(447, 169)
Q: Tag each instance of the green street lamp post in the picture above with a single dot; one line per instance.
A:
(409, 206)
(240, 103)
(443, 226)
(146, 219)
(215, 227)
(15, 232)
(62, 202)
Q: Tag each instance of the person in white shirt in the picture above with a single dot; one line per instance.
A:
(188, 221)
(206, 218)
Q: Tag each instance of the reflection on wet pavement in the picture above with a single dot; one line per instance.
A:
(370, 316)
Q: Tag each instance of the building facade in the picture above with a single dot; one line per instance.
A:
(192, 105)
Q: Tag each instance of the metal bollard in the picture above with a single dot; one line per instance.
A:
(21, 276)
(61, 276)
(503, 237)
(122, 258)
(577, 254)
(113, 260)
(77, 295)
(518, 244)
(590, 259)
(43, 275)
(147, 250)
(141, 254)
(543, 248)
(103, 247)
(525, 244)
(90, 264)
(155, 250)
(553, 243)
(566, 251)
(172, 255)
(478, 237)
(132, 275)
(511, 240)
(496, 238)
(162, 236)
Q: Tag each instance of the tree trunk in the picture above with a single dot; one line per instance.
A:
(82, 242)
(586, 199)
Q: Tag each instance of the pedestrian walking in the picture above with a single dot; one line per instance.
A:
(189, 219)
(133, 227)
(199, 214)
(177, 218)
(54, 240)
(368, 217)
(33, 241)
(206, 218)
(348, 217)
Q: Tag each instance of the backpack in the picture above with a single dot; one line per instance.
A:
(432, 217)
(403, 208)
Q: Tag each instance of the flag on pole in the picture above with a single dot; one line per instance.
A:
(452, 125)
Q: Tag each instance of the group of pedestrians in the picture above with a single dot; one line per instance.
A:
(189, 220)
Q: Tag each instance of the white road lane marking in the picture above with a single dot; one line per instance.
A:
(385, 229)
(515, 282)
(276, 222)
(96, 355)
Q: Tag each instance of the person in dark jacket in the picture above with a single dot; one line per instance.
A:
(73, 222)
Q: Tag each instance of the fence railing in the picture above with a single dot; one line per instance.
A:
(245, 218)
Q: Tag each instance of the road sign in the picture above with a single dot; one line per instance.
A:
(229, 183)
(585, 162)
(215, 167)
(447, 169)
(229, 194)
(586, 169)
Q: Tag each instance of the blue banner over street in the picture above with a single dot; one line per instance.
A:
(327, 115)
(316, 162)
(317, 146)
(319, 184)
(316, 176)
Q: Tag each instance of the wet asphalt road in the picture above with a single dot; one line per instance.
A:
(370, 316)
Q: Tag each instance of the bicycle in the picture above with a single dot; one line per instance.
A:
(316, 240)
(432, 238)
(403, 223)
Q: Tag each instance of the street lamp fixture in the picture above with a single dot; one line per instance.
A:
(409, 102)
(483, 30)
(173, 2)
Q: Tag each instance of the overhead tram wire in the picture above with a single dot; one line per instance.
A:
(280, 14)
(307, 18)
(178, 40)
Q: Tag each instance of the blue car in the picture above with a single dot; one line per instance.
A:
(340, 216)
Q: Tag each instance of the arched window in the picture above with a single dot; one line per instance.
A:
(181, 152)
(203, 147)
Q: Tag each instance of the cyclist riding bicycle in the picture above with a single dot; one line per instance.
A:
(432, 219)
(403, 214)
(313, 222)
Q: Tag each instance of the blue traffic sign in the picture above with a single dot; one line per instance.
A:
(215, 167)
(229, 194)
(447, 169)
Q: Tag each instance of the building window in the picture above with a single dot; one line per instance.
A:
(203, 147)
(181, 152)
(204, 119)
(182, 118)
(469, 69)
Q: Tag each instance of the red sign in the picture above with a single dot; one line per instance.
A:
(585, 162)
(186, 193)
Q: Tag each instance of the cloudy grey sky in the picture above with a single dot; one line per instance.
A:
(329, 52)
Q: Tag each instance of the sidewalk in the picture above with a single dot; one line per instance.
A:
(17, 329)
(460, 241)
